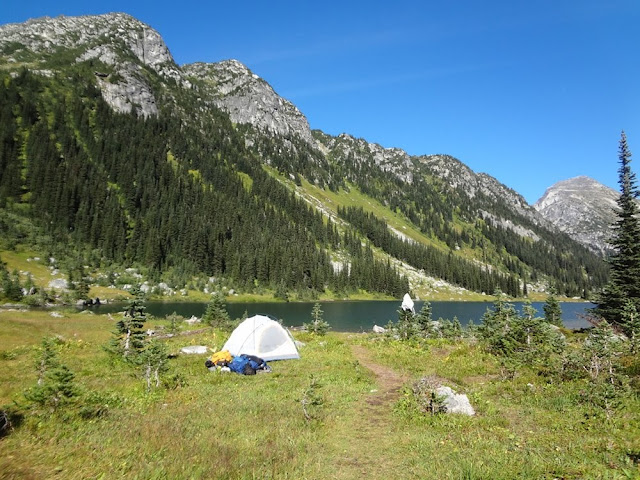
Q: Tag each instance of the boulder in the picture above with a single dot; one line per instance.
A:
(59, 283)
(194, 350)
(455, 402)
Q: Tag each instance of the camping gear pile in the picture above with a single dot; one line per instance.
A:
(252, 344)
(242, 364)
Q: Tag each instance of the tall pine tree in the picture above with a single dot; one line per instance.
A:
(624, 283)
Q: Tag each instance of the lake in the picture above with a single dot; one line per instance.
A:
(353, 316)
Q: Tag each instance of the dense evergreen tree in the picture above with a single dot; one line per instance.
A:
(318, 325)
(10, 288)
(128, 338)
(216, 313)
(424, 320)
(55, 385)
(552, 310)
(407, 326)
(624, 285)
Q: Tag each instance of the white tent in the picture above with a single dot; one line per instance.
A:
(407, 303)
(263, 337)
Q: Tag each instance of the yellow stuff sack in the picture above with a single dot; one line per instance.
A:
(221, 357)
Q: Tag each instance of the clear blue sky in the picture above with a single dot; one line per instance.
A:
(529, 92)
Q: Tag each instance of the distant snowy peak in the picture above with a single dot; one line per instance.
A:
(583, 208)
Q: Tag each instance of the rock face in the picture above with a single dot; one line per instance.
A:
(583, 208)
(248, 99)
(115, 42)
(461, 178)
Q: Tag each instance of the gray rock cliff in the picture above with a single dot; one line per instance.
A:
(116, 40)
(359, 152)
(583, 208)
(248, 99)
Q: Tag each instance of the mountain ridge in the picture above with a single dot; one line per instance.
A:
(469, 215)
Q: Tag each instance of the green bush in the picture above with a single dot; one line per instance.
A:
(317, 325)
(216, 313)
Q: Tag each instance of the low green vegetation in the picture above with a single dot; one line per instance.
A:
(73, 407)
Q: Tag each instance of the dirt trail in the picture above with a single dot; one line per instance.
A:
(389, 381)
(372, 427)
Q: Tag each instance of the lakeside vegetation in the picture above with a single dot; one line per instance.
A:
(33, 268)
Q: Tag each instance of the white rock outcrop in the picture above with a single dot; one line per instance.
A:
(583, 208)
(455, 402)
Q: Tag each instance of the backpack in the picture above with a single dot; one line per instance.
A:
(247, 364)
(256, 362)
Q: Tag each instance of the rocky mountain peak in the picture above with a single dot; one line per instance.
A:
(116, 40)
(583, 208)
(248, 99)
(48, 34)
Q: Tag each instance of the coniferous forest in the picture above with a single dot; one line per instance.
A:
(156, 192)
(189, 193)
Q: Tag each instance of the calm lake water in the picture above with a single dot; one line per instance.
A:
(354, 316)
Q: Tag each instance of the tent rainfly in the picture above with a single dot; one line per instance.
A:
(407, 303)
(263, 337)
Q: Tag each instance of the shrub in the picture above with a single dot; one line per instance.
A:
(317, 326)
(522, 339)
(216, 313)
(55, 385)
(154, 360)
(312, 400)
(174, 323)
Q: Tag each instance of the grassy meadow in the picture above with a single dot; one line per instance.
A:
(331, 414)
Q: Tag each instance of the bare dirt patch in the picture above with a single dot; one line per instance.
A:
(387, 378)
(372, 426)
(389, 382)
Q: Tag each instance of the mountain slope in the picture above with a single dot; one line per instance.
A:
(204, 169)
(583, 208)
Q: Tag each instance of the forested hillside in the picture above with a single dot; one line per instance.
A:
(120, 157)
(156, 192)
